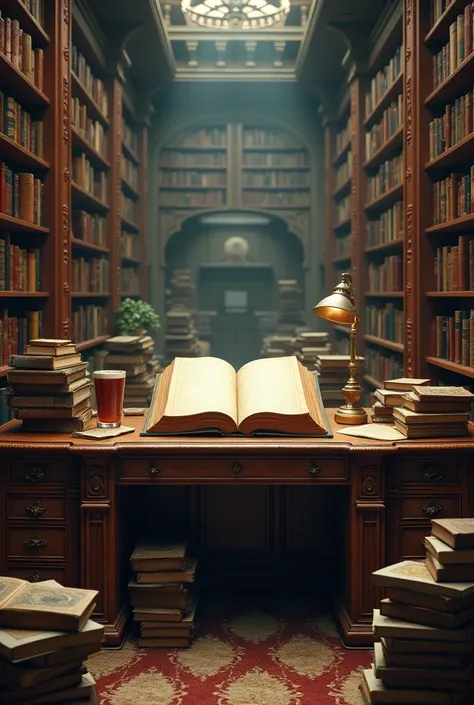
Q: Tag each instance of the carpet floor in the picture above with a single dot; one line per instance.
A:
(272, 655)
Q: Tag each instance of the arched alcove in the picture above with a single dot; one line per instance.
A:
(236, 292)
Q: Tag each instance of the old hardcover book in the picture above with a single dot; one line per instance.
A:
(31, 695)
(152, 556)
(422, 615)
(376, 692)
(273, 395)
(58, 401)
(80, 423)
(21, 676)
(47, 377)
(414, 575)
(52, 348)
(158, 614)
(443, 393)
(162, 588)
(41, 606)
(416, 418)
(57, 658)
(19, 644)
(453, 573)
(405, 383)
(129, 343)
(422, 660)
(388, 397)
(149, 598)
(186, 575)
(155, 632)
(164, 643)
(456, 533)
(432, 602)
(388, 627)
(44, 362)
(449, 679)
(186, 623)
(447, 555)
(401, 645)
(411, 401)
(432, 430)
(56, 413)
(84, 692)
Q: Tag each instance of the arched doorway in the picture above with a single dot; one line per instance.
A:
(238, 294)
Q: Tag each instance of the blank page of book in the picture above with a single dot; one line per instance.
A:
(200, 385)
(272, 385)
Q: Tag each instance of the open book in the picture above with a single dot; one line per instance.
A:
(270, 396)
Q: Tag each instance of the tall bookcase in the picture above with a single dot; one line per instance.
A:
(61, 173)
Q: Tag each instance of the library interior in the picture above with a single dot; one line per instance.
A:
(237, 352)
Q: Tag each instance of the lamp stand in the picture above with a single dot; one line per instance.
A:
(351, 412)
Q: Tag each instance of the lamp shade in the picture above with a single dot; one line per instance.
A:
(336, 308)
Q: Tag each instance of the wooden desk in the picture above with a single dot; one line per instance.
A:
(61, 516)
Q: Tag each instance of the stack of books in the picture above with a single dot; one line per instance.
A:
(429, 412)
(181, 338)
(290, 315)
(391, 396)
(181, 290)
(308, 345)
(424, 639)
(333, 373)
(51, 389)
(203, 321)
(45, 638)
(277, 346)
(450, 550)
(161, 594)
(136, 355)
(267, 321)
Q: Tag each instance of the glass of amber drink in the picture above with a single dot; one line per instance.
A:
(109, 389)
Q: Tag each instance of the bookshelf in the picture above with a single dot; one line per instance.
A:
(382, 299)
(60, 274)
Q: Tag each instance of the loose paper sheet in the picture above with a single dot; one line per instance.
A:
(379, 432)
(100, 434)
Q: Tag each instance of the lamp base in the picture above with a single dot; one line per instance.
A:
(350, 414)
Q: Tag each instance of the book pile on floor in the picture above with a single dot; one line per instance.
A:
(45, 638)
(136, 355)
(391, 396)
(290, 315)
(308, 345)
(333, 373)
(51, 388)
(181, 338)
(162, 594)
(424, 630)
(434, 412)
(181, 291)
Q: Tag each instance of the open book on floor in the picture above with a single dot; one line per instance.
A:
(273, 396)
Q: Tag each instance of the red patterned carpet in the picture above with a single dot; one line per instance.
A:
(239, 657)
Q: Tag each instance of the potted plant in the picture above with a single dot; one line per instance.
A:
(136, 317)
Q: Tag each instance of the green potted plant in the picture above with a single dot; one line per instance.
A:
(136, 317)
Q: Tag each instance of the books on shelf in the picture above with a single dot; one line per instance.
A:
(343, 137)
(18, 47)
(453, 337)
(386, 321)
(387, 275)
(93, 85)
(21, 195)
(90, 274)
(18, 124)
(382, 81)
(129, 208)
(382, 364)
(387, 227)
(266, 138)
(20, 268)
(206, 137)
(201, 179)
(265, 199)
(343, 210)
(453, 126)
(271, 159)
(129, 171)
(160, 591)
(276, 395)
(333, 374)
(343, 172)
(389, 175)
(93, 131)
(130, 244)
(453, 197)
(382, 131)
(454, 265)
(91, 228)
(129, 137)
(89, 178)
(457, 48)
(88, 322)
(48, 380)
(130, 281)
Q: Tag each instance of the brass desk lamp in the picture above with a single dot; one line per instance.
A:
(339, 307)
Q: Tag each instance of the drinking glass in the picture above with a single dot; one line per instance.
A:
(109, 390)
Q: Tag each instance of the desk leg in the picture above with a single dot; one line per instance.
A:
(98, 543)
(365, 552)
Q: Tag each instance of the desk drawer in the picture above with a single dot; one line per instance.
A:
(154, 469)
(35, 508)
(33, 541)
(411, 542)
(26, 472)
(432, 472)
(37, 572)
(430, 507)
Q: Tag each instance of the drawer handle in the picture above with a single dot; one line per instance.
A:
(431, 509)
(432, 474)
(313, 469)
(236, 468)
(36, 509)
(36, 577)
(36, 541)
(153, 470)
(35, 474)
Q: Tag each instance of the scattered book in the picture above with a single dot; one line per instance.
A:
(412, 402)
(405, 383)
(449, 573)
(387, 397)
(442, 393)
(50, 347)
(447, 555)
(414, 575)
(44, 362)
(185, 575)
(456, 533)
(153, 556)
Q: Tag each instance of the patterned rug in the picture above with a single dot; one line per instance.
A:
(240, 656)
